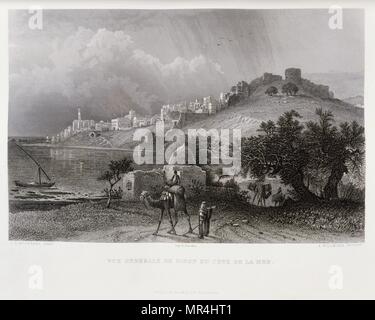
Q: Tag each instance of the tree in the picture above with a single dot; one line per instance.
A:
(116, 169)
(290, 89)
(333, 149)
(271, 91)
(280, 149)
(320, 153)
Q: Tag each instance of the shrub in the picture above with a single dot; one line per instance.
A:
(351, 192)
(116, 169)
(271, 91)
(231, 184)
(289, 89)
(197, 188)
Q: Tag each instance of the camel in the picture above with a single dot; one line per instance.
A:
(167, 202)
(278, 198)
(261, 191)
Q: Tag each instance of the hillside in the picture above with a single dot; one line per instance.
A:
(249, 112)
(246, 116)
(259, 107)
(357, 101)
(109, 139)
(106, 139)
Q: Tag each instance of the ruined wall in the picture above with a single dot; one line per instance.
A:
(316, 89)
(182, 119)
(187, 174)
(268, 78)
(191, 117)
(293, 75)
(137, 181)
(133, 183)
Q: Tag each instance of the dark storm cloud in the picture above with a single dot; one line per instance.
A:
(108, 61)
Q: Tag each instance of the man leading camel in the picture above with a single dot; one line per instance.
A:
(172, 198)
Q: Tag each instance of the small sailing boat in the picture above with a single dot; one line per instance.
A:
(39, 183)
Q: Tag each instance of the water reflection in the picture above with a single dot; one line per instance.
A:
(72, 169)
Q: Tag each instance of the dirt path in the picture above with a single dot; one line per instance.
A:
(244, 229)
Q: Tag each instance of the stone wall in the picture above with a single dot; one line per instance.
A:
(191, 117)
(187, 173)
(133, 183)
(316, 89)
(292, 75)
(137, 181)
(181, 119)
(268, 78)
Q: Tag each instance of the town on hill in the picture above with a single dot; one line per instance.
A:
(254, 102)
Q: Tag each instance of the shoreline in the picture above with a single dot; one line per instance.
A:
(46, 145)
(17, 206)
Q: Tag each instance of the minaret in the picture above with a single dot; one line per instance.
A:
(79, 114)
(132, 114)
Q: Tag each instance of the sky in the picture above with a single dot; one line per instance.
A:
(110, 61)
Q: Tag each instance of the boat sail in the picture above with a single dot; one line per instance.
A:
(39, 183)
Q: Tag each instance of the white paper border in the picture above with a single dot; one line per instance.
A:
(83, 270)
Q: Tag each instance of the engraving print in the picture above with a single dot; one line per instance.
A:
(204, 126)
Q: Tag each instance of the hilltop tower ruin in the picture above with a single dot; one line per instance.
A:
(293, 75)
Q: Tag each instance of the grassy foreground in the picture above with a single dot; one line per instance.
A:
(68, 221)
(231, 223)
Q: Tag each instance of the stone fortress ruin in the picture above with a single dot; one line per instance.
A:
(293, 75)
